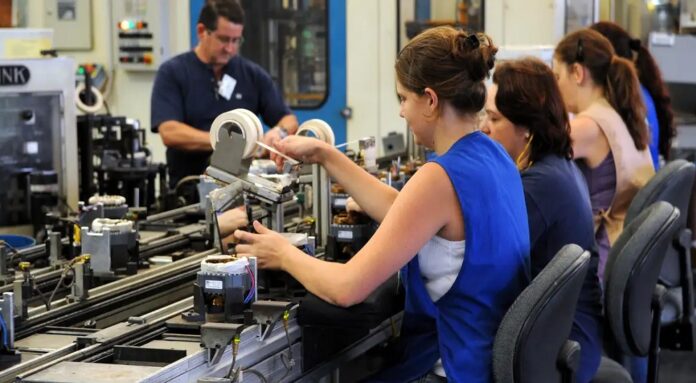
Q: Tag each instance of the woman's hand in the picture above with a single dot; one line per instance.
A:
(267, 246)
(309, 150)
(231, 220)
(271, 138)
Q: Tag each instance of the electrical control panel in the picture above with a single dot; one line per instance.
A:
(71, 22)
(141, 33)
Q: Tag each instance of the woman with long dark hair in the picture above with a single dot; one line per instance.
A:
(657, 101)
(609, 133)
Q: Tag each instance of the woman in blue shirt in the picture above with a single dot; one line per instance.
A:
(457, 230)
(525, 113)
(657, 101)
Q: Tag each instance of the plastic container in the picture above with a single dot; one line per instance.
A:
(18, 241)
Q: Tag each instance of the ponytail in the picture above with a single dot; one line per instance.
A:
(623, 93)
(651, 78)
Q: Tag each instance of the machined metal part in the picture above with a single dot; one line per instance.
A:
(172, 214)
(227, 197)
(55, 248)
(215, 337)
(324, 192)
(23, 289)
(268, 313)
(79, 291)
(109, 249)
(6, 273)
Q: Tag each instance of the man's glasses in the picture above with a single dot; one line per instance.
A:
(226, 40)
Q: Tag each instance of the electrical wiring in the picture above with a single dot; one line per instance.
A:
(250, 296)
(257, 374)
(235, 349)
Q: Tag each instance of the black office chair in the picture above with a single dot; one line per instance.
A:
(673, 184)
(532, 341)
(632, 298)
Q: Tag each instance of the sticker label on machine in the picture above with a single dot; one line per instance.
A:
(212, 284)
(345, 234)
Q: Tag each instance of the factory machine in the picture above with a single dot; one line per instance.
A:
(37, 141)
(120, 295)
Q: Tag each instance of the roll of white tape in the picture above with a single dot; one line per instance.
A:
(245, 121)
(224, 264)
(113, 225)
(107, 200)
(255, 119)
(98, 103)
(319, 128)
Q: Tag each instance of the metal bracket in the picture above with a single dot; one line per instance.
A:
(6, 272)
(82, 281)
(215, 337)
(55, 248)
(137, 320)
(267, 314)
(7, 312)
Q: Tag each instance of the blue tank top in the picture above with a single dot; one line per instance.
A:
(460, 327)
(653, 126)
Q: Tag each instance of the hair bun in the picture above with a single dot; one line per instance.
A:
(475, 51)
(464, 43)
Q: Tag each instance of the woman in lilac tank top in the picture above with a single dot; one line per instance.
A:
(609, 132)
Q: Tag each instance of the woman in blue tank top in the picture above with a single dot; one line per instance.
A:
(469, 201)
(525, 113)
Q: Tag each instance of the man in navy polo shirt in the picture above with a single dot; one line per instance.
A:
(193, 88)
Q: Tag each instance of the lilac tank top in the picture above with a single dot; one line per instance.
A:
(601, 183)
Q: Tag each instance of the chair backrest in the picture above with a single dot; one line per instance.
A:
(538, 323)
(673, 184)
(633, 267)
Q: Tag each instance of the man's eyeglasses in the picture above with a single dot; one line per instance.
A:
(226, 40)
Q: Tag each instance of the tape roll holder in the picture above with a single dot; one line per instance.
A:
(229, 150)
(234, 136)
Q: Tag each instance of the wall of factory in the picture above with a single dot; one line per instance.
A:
(371, 88)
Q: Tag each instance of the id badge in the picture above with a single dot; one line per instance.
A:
(226, 87)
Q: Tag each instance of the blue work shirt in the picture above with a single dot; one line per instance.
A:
(185, 90)
(559, 211)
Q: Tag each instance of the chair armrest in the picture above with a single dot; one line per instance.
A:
(569, 360)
